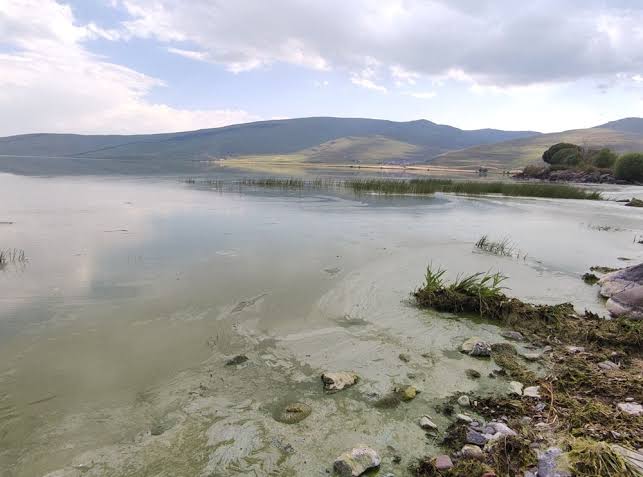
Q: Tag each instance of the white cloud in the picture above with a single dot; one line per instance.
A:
(422, 94)
(51, 82)
(490, 41)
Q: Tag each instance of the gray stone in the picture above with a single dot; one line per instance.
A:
(464, 401)
(621, 280)
(575, 349)
(628, 303)
(470, 451)
(512, 335)
(239, 359)
(334, 382)
(551, 463)
(608, 365)
(532, 391)
(463, 418)
(426, 423)
(404, 357)
(481, 349)
(475, 437)
(443, 462)
(503, 429)
(356, 461)
(631, 408)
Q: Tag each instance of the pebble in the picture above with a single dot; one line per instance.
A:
(608, 365)
(515, 387)
(472, 373)
(463, 418)
(481, 349)
(404, 357)
(512, 335)
(575, 349)
(631, 408)
(426, 423)
(464, 401)
(338, 381)
(550, 464)
(502, 429)
(356, 461)
(532, 391)
(470, 451)
(443, 462)
(239, 359)
(406, 393)
(475, 437)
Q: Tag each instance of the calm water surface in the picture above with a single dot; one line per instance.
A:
(114, 335)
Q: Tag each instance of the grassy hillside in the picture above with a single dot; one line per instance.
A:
(620, 136)
(260, 138)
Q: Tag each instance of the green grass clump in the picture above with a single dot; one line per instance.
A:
(588, 458)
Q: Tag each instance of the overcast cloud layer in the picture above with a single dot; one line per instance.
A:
(406, 52)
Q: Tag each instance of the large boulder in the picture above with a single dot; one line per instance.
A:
(624, 290)
(356, 461)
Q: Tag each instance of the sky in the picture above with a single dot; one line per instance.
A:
(142, 66)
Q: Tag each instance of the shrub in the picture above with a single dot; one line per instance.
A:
(604, 159)
(629, 167)
(562, 153)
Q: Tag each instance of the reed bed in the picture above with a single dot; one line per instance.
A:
(12, 255)
(412, 187)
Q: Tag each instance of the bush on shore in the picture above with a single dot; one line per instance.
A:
(629, 167)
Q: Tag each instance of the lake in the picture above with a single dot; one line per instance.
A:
(114, 335)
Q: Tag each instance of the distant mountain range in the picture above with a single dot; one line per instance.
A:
(308, 140)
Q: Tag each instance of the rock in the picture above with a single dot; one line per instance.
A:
(356, 461)
(406, 393)
(489, 474)
(481, 349)
(463, 418)
(427, 424)
(616, 282)
(515, 388)
(468, 345)
(502, 429)
(634, 202)
(404, 357)
(590, 278)
(470, 451)
(627, 303)
(334, 382)
(472, 373)
(608, 365)
(443, 462)
(239, 359)
(551, 463)
(631, 408)
(475, 437)
(532, 391)
(531, 356)
(512, 335)
(575, 349)
(464, 401)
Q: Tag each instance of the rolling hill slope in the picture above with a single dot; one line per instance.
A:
(624, 135)
(306, 135)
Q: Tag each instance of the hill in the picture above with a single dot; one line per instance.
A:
(320, 139)
(621, 136)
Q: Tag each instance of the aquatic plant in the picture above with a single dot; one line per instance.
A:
(12, 255)
(413, 187)
(590, 458)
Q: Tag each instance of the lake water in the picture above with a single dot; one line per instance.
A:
(114, 335)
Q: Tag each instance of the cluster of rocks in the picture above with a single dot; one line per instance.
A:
(570, 175)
